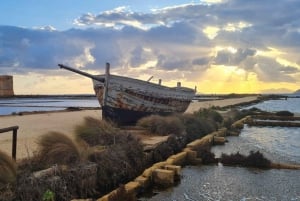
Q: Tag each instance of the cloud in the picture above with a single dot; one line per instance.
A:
(181, 38)
(227, 57)
(269, 70)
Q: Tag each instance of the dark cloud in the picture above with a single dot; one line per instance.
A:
(138, 57)
(226, 57)
(201, 61)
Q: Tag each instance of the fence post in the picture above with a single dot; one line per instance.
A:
(14, 140)
(14, 143)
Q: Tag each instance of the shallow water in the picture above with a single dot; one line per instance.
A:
(209, 183)
(280, 144)
(15, 105)
(291, 104)
(237, 183)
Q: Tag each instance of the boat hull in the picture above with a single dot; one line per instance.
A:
(125, 100)
(124, 116)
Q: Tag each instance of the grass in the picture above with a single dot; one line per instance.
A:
(121, 158)
(193, 125)
(95, 132)
(162, 125)
(119, 163)
(8, 169)
(57, 148)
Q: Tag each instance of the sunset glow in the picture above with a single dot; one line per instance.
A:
(218, 46)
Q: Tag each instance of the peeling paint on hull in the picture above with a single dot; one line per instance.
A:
(125, 100)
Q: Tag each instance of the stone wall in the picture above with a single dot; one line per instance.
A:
(6, 86)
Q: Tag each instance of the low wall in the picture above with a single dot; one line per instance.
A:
(165, 173)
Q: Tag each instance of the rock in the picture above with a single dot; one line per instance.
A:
(219, 140)
(163, 178)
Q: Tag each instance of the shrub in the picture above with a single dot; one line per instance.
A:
(254, 159)
(57, 148)
(8, 169)
(162, 125)
(206, 155)
(119, 163)
(209, 114)
(228, 122)
(257, 159)
(233, 159)
(30, 188)
(96, 132)
(195, 127)
(285, 113)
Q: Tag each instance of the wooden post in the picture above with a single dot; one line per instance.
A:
(14, 140)
(14, 143)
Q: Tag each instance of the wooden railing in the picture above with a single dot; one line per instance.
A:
(14, 129)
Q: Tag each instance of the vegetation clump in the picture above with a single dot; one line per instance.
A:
(119, 163)
(191, 126)
(57, 148)
(8, 176)
(161, 125)
(254, 159)
(8, 169)
(284, 114)
(95, 132)
(206, 155)
(120, 159)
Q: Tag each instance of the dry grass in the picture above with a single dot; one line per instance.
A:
(57, 148)
(162, 125)
(8, 169)
(209, 114)
(95, 132)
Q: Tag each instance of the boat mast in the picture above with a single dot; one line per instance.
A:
(107, 75)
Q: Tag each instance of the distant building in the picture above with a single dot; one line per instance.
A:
(6, 86)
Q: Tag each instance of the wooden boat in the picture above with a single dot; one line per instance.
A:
(124, 100)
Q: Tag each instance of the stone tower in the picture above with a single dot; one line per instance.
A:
(6, 86)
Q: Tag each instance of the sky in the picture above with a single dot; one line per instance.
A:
(219, 46)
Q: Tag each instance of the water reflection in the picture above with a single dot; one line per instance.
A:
(209, 183)
(15, 105)
(277, 143)
(291, 104)
(219, 182)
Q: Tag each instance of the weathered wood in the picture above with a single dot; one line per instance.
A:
(14, 129)
(4, 130)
